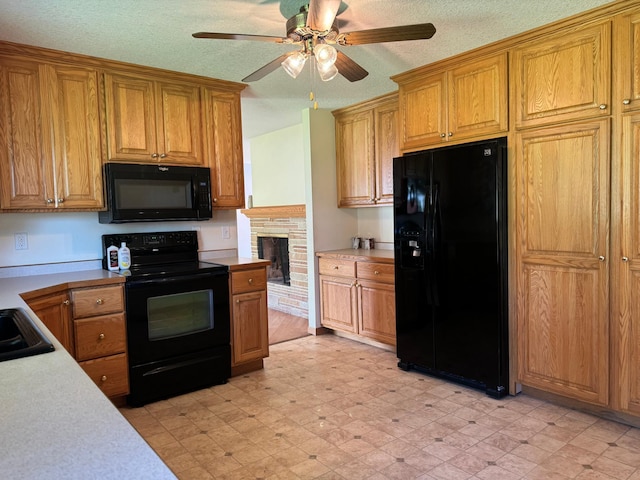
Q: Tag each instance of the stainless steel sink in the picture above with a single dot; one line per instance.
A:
(19, 336)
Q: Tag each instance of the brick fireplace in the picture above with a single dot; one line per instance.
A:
(286, 222)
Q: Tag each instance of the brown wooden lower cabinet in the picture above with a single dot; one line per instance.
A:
(90, 324)
(249, 319)
(357, 296)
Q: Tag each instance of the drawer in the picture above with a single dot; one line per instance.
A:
(100, 336)
(381, 272)
(88, 302)
(248, 280)
(337, 268)
(111, 374)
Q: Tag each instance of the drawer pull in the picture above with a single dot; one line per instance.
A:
(626, 101)
(66, 302)
(99, 301)
(101, 336)
(335, 267)
(103, 378)
(376, 272)
(250, 281)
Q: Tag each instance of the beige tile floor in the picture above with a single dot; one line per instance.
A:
(330, 408)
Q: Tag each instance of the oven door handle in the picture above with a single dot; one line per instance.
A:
(175, 279)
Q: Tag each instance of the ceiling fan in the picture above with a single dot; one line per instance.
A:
(315, 29)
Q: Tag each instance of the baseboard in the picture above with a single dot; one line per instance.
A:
(247, 367)
(319, 331)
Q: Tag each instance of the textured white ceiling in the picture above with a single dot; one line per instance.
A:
(158, 33)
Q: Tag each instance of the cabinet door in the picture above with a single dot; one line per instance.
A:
(477, 98)
(627, 60)
(131, 118)
(423, 112)
(562, 292)
(338, 303)
(377, 311)
(26, 163)
(179, 124)
(53, 311)
(223, 127)
(386, 148)
(354, 159)
(73, 109)
(250, 329)
(564, 77)
(625, 271)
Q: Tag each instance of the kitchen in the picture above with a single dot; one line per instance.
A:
(312, 116)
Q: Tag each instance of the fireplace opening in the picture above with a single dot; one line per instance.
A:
(276, 250)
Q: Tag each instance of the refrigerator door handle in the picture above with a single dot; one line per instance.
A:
(435, 244)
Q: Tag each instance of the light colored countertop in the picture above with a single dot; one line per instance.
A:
(54, 421)
(375, 255)
(240, 263)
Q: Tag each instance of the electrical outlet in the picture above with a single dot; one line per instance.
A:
(226, 234)
(22, 241)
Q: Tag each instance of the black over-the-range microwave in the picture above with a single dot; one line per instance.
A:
(155, 193)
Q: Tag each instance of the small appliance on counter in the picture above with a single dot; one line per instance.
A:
(178, 320)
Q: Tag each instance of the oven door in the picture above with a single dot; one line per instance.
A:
(177, 315)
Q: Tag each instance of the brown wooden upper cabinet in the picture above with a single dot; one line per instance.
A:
(440, 105)
(153, 121)
(366, 143)
(51, 153)
(223, 127)
(563, 77)
(627, 52)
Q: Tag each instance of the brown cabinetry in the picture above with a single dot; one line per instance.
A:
(627, 61)
(100, 337)
(249, 316)
(53, 310)
(563, 77)
(366, 143)
(462, 101)
(150, 120)
(223, 136)
(358, 296)
(50, 135)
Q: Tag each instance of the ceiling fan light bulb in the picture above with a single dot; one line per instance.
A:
(326, 55)
(327, 72)
(294, 64)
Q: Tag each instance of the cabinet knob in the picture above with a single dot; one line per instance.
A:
(101, 336)
(335, 267)
(66, 302)
(154, 155)
(103, 378)
(451, 134)
(625, 259)
(603, 106)
(601, 258)
(99, 301)
(214, 200)
(49, 201)
(626, 101)
(61, 200)
(250, 281)
(376, 272)
(163, 155)
(237, 301)
(442, 135)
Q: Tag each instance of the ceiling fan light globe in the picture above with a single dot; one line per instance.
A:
(294, 64)
(326, 55)
(327, 72)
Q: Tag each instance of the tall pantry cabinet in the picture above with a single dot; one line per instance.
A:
(576, 100)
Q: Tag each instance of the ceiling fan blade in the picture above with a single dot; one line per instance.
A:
(349, 69)
(420, 31)
(238, 36)
(267, 69)
(321, 14)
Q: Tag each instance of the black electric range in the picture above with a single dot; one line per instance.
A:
(159, 254)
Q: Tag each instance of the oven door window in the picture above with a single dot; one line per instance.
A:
(179, 314)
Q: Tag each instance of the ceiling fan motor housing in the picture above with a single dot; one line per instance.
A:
(297, 30)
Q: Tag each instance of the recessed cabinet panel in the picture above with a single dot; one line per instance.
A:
(564, 77)
(179, 126)
(627, 61)
(354, 140)
(423, 111)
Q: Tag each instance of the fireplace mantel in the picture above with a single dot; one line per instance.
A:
(281, 211)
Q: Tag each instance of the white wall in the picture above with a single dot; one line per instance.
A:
(75, 237)
(277, 168)
(377, 222)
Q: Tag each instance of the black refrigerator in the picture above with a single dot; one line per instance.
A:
(450, 239)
